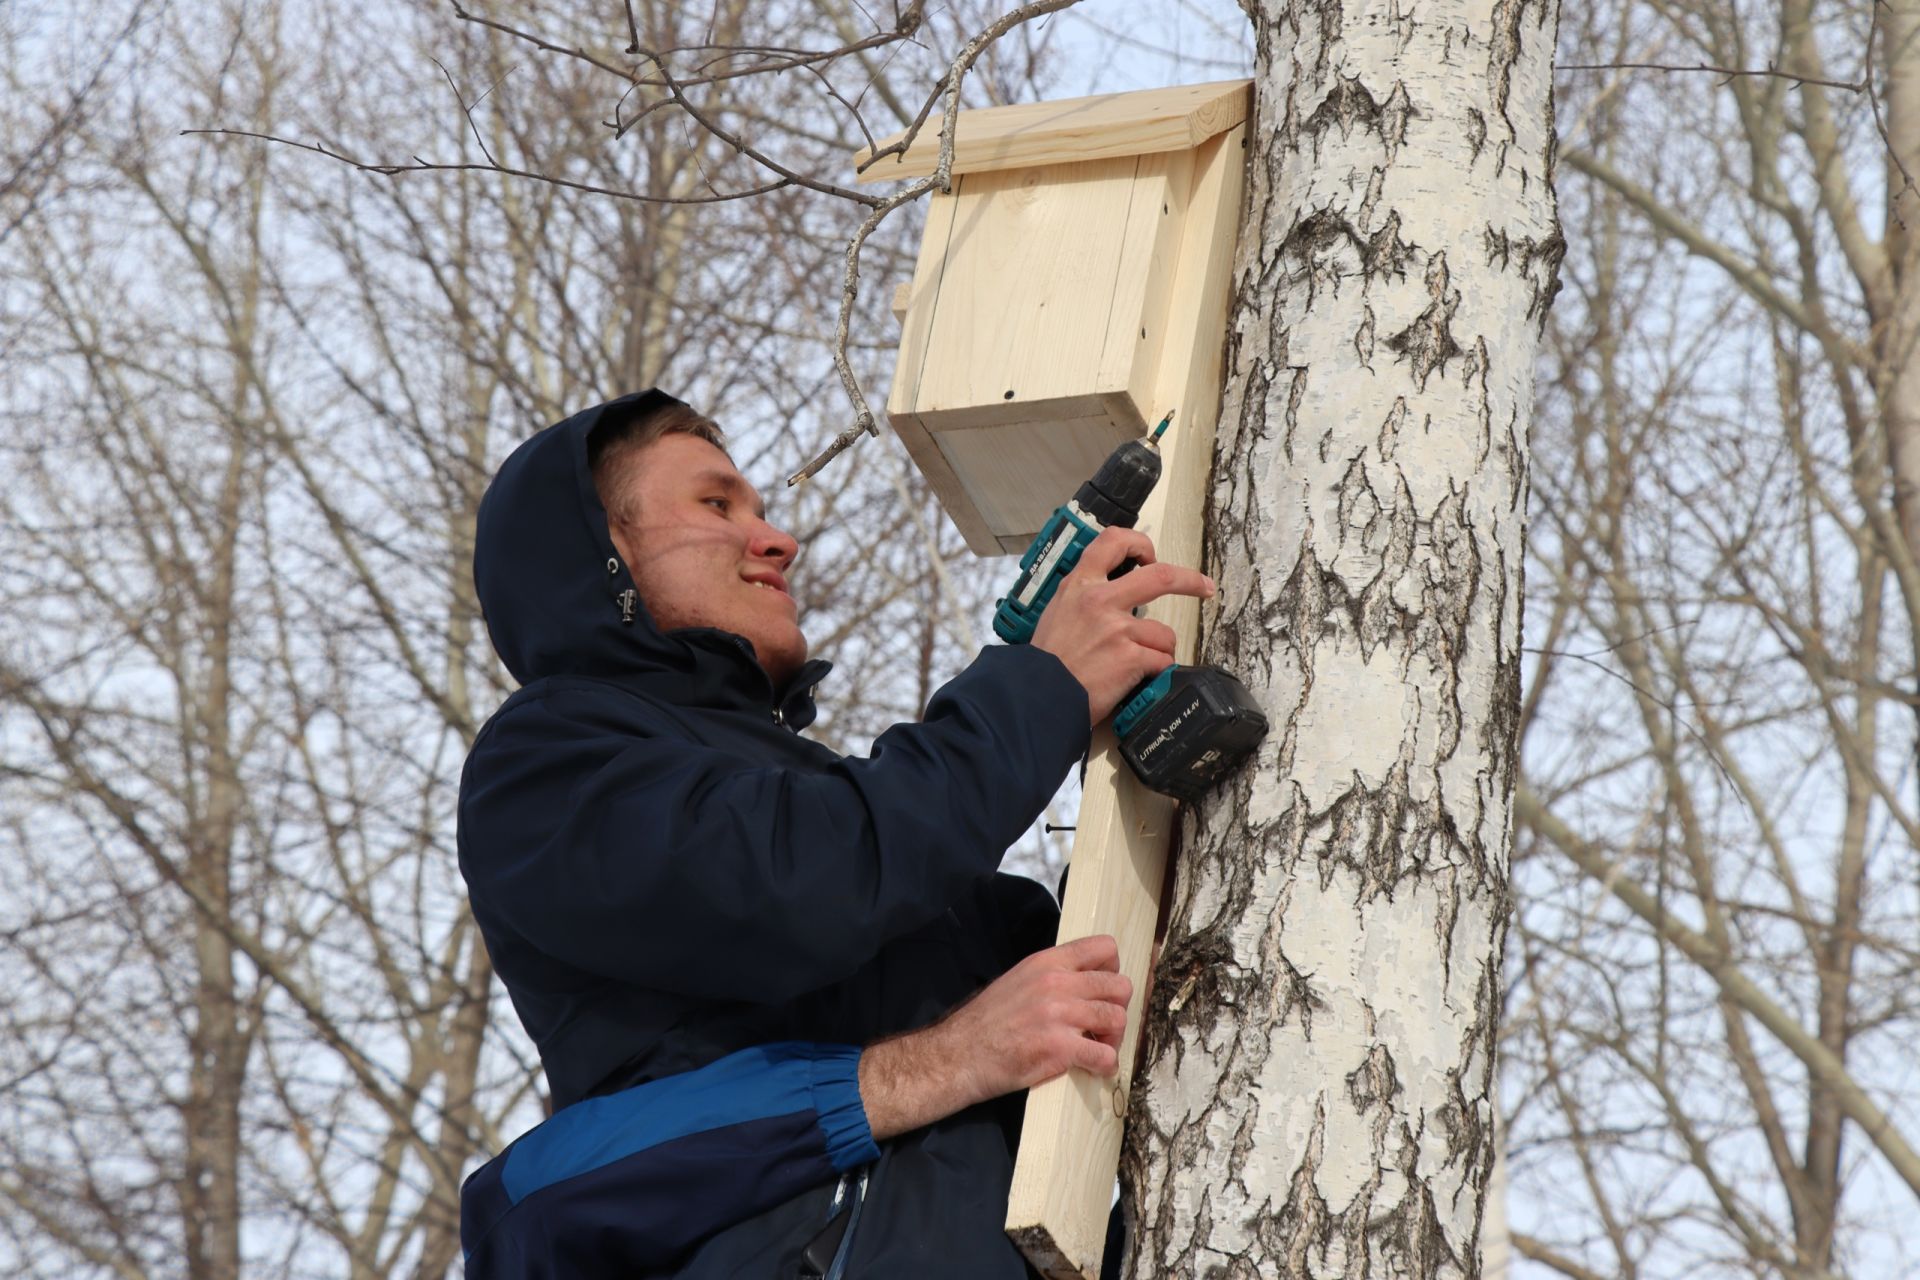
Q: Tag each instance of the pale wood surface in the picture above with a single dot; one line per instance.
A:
(1026, 293)
(1035, 329)
(1149, 254)
(921, 296)
(916, 324)
(1070, 1145)
(898, 303)
(933, 464)
(1144, 122)
(1015, 475)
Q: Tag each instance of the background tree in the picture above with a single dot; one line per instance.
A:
(1711, 1018)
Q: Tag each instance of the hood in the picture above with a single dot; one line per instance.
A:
(558, 600)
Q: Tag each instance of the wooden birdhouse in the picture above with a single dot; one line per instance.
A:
(1043, 324)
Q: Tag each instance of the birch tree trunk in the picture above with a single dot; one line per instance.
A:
(1319, 1083)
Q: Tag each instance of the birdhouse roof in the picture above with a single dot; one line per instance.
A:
(1070, 129)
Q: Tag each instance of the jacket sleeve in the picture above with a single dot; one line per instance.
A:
(627, 1182)
(695, 870)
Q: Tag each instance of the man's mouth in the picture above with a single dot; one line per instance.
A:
(771, 584)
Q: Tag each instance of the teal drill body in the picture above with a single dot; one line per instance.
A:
(1185, 728)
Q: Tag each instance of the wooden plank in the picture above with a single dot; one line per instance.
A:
(902, 292)
(1144, 122)
(1070, 1145)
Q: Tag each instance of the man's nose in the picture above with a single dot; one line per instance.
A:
(773, 543)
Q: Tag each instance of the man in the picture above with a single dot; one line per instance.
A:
(785, 1004)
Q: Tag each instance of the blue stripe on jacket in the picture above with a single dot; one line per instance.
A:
(645, 1173)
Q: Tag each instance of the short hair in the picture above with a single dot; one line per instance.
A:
(611, 443)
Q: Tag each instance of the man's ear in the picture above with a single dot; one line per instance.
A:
(618, 530)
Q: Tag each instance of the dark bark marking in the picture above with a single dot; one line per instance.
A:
(1390, 428)
(1539, 261)
(1428, 343)
(1408, 1235)
(1296, 392)
(1386, 253)
(1304, 1225)
(1351, 103)
(1330, 16)
(1446, 923)
(1518, 489)
(1370, 203)
(1355, 506)
(1503, 49)
(1312, 250)
(1476, 132)
(1379, 618)
(1312, 244)
(1374, 1081)
(1348, 103)
(1395, 113)
(1478, 361)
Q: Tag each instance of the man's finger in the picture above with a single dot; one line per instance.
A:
(1113, 548)
(1150, 633)
(1096, 951)
(1150, 582)
(1101, 1059)
(1105, 984)
(1107, 1021)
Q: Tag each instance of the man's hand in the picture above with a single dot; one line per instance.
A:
(1059, 1008)
(1089, 623)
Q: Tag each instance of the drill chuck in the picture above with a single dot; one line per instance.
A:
(1120, 487)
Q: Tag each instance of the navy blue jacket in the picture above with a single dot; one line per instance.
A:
(701, 917)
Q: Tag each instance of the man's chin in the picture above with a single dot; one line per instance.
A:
(782, 658)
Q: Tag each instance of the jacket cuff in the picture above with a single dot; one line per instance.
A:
(1038, 687)
(835, 1080)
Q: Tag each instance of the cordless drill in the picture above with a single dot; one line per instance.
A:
(1187, 727)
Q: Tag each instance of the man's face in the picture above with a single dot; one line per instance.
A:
(695, 536)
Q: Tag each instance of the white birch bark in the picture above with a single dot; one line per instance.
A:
(1318, 1090)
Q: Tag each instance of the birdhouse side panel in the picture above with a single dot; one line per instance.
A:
(916, 325)
(1150, 256)
(947, 487)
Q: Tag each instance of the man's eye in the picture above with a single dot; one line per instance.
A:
(718, 504)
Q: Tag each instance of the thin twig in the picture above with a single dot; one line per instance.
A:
(1731, 73)
(787, 60)
(852, 110)
(745, 148)
(417, 165)
(467, 112)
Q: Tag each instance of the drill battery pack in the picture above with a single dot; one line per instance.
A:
(1187, 728)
